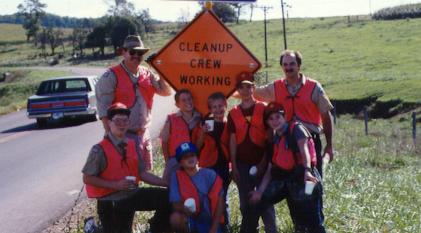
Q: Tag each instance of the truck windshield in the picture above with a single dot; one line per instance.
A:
(63, 85)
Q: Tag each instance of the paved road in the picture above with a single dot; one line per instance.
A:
(40, 168)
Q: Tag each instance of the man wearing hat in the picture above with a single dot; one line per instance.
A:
(133, 85)
(247, 144)
(112, 174)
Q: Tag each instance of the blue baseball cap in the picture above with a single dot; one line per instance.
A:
(183, 149)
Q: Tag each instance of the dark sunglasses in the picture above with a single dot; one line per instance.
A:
(133, 52)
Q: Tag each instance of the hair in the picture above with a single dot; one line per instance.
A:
(111, 113)
(217, 96)
(294, 53)
(179, 92)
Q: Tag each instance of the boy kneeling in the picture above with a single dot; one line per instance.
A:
(196, 194)
(292, 173)
(112, 173)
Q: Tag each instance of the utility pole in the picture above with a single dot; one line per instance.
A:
(283, 25)
(265, 10)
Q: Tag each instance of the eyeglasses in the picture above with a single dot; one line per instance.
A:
(120, 121)
(133, 52)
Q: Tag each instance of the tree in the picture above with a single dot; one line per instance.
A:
(145, 20)
(120, 8)
(252, 6)
(238, 7)
(121, 27)
(32, 11)
(224, 11)
(96, 38)
(54, 38)
(78, 39)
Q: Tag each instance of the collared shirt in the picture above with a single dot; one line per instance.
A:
(97, 162)
(319, 97)
(140, 117)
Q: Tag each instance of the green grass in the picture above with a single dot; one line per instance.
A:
(353, 60)
(14, 93)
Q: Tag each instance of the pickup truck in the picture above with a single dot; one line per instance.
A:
(63, 97)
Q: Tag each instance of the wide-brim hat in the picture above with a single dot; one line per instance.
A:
(133, 42)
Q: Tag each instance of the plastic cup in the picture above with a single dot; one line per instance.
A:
(309, 187)
(210, 124)
(133, 180)
(253, 171)
(190, 204)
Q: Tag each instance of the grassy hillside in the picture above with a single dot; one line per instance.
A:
(358, 60)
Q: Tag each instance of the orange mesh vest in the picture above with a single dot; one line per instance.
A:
(283, 155)
(300, 105)
(208, 155)
(125, 91)
(117, 168)
(179, 133)
(255, 127)
(188, 190)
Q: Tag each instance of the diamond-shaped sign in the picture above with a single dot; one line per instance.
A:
(205, 57)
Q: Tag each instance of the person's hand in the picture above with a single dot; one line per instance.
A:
(124, 184)
(187, 211)
(309, 177)
(254, 197)
(150, 58)
(328, 151)
(205, 127)
(235, 175)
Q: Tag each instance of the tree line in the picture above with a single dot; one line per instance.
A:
(122, 19)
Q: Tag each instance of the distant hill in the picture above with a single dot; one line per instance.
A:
(51, 20)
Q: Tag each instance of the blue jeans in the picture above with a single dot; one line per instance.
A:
(306, 210)
(200, 227)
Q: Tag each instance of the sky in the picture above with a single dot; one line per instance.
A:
(171, 10)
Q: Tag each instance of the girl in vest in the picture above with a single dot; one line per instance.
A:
(291, 173)
(213, 143)
(196, 194)
(178, 128)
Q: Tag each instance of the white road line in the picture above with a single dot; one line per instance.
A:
(14, 136)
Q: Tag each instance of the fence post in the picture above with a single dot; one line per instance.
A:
(414, 128)
(366, 121)
(334, 113)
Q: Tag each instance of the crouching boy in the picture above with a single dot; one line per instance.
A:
(112, 173)
(291, 173)
(196, 195)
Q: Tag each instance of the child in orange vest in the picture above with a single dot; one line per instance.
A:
(196, 194)
(213, 143)
(247, 147)
(178, 128)
(291, 173)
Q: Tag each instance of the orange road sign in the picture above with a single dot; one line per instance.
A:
(205, 57)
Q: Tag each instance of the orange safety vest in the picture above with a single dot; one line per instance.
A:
(188, 190)
(208, 155)
(300, 105)
(179, 133)
(255, 127)
(117, 168)
(283, 155)
(125, 91)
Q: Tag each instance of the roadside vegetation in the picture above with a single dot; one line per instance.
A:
(359, 61)
(399, 12)
(373, 184)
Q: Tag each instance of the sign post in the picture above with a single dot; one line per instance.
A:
(205, 57)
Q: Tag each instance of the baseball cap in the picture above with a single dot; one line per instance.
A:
(117, 108)
(183, 149)
(273, 107)
(244, 77)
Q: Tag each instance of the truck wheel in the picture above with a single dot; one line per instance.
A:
(41, 122)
